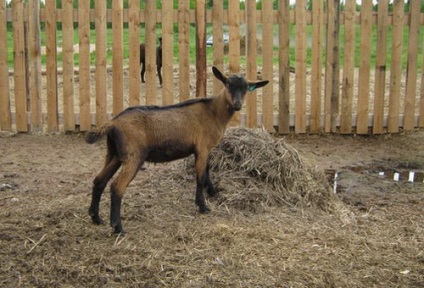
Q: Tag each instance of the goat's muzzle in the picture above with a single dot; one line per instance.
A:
(237, 106)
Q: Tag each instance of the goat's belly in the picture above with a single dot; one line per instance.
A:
(168, 153)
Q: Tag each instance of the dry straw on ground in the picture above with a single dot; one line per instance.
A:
(254, 171)
(272, 225)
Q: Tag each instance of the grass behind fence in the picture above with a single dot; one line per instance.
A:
(243, 58)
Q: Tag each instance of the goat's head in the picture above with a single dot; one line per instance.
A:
(236, 87)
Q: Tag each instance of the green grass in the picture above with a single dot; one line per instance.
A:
(242, 59)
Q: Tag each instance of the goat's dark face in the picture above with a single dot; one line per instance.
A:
(236, 87)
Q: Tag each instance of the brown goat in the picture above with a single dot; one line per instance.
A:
(158, 61)
(161, 134)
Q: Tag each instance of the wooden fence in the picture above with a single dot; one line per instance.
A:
(328, 95)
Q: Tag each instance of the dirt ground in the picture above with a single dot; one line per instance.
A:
(48, 240)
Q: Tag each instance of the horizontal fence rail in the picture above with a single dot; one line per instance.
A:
(332, 67)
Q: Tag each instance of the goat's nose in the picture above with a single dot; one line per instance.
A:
(237, 106)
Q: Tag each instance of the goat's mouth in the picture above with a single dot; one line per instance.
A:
(237, 106)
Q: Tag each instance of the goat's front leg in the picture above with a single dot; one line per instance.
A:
(208, 183)
(201, 175)
(117, 189)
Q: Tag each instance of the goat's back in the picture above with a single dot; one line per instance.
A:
(149, 125)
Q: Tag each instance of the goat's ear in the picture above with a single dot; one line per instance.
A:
(255, 85)
(219, 75)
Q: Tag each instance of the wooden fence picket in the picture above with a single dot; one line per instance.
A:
(300, 77)
(268, 69)
(421, 107)
(329, 66)
(151, 81)
(84, 65)
(19, 66)
(68, 65)
(335, 76)
(396, 67)
(218, 43)
(380, 67)
(117, 56)
(348, 68)
(200, 48)
(5, 112)
(412, 69)
(168, 52)
(134, 57)
(284, 67)
(34, 49)
(234, 46)
(101, 65)
(364, 68)
(316, 67)
(251, 65)
(183, 48)
(51, 67)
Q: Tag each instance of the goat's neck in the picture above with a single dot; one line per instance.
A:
(222, 109)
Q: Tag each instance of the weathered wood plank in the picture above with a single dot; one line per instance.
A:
(329, 65)
(267, 74)
(335, 90)
(34, 50)
(316, 66)
(364, 68)
(68, 65)
(412, 69)
(184, 53)
(234, 20)
(5, 113)
(380, 67)
(284, 67)
(117, 57)
(101, 62)
(167, 52)
(151, 81)
(421, 107)
(218, 43)
(200, 48)
(251, 66)
(84, 65)
(51, 67)
(396, 66)
(348, 68)
(300, 77)
(134, 57)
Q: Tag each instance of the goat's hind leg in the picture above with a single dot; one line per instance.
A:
(111, 166)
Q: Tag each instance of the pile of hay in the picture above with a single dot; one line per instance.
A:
(253, 171)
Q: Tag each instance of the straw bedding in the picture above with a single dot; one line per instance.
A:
(254, 171)
(275, 222)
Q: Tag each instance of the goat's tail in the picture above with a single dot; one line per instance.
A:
(95, 135)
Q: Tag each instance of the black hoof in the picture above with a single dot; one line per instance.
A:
(117, 229)
(97, 220)
(212, 192)
(204, 210)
